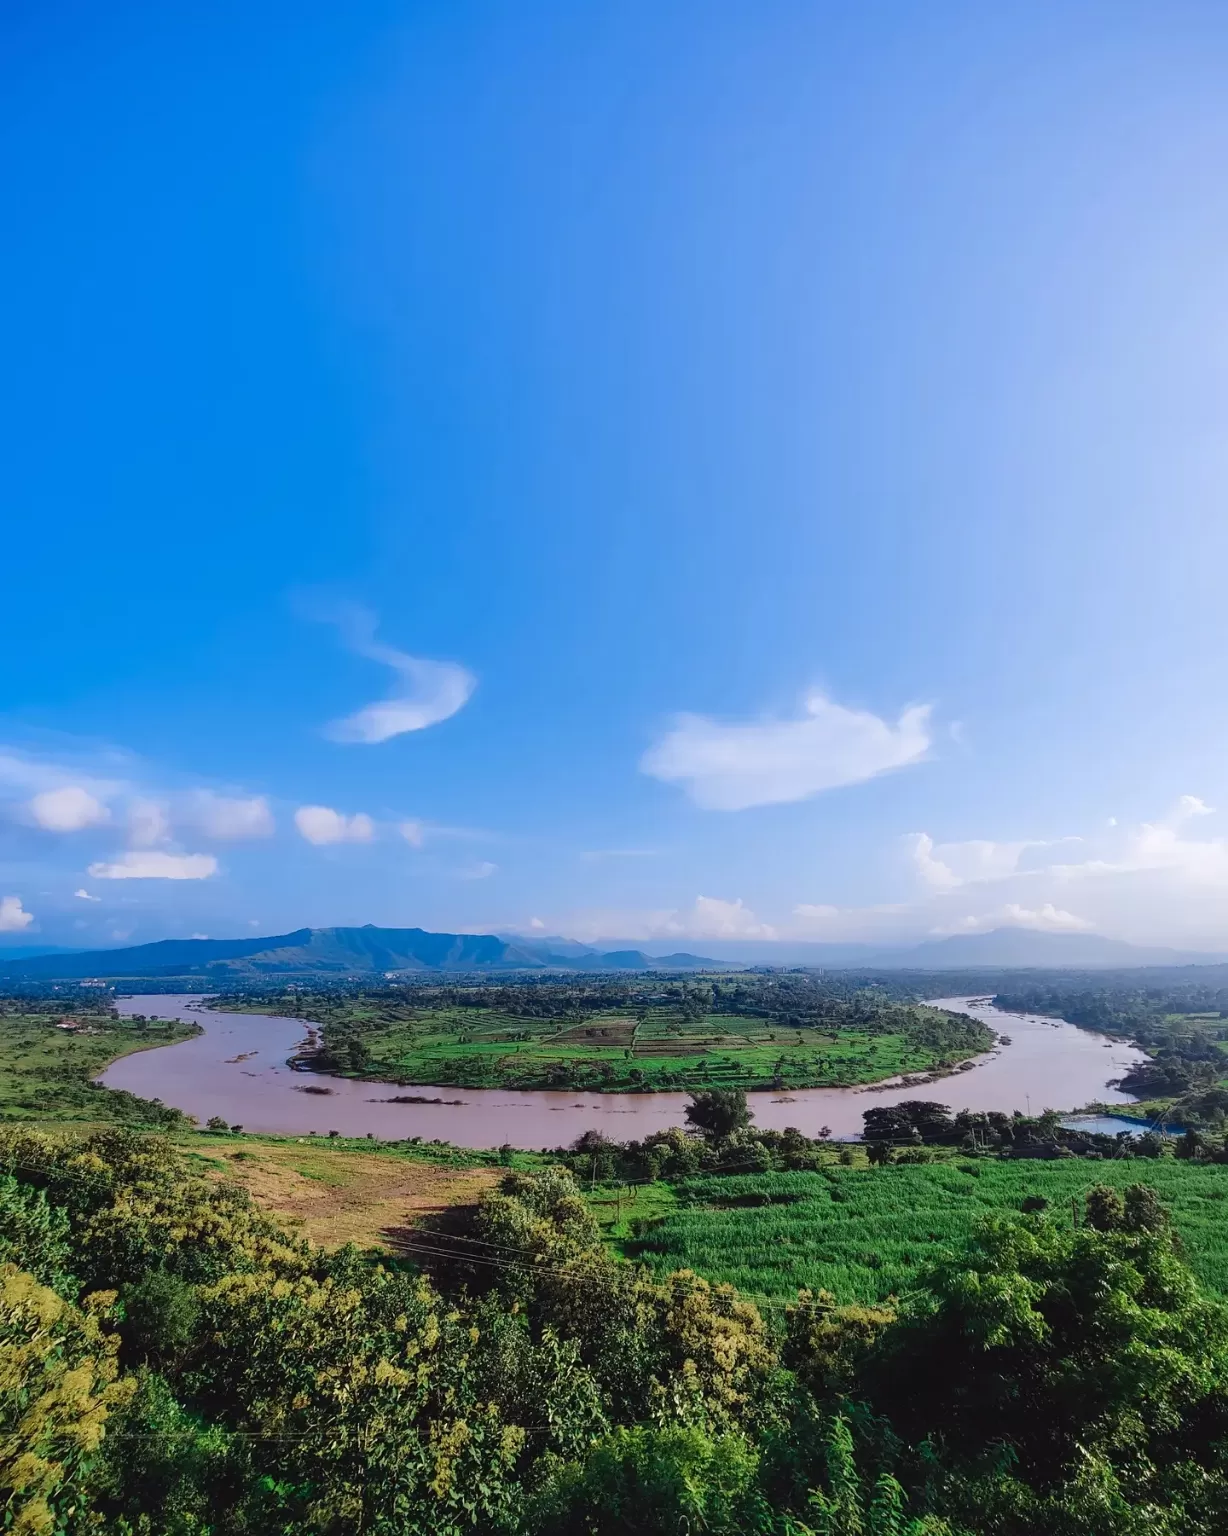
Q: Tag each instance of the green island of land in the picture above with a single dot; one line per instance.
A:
(626, 1036)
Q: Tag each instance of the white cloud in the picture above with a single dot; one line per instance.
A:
(816, 912)
(944, 866)
(729, 767)
(13, 916)
(712, 918)
(84, 895)
(414, 833)
(154, 864)
(1047, 918)
(320, 824)
(482, 871)
(148, 823)
(1154, 882)
(709, 918)
(69, 809)
(228, 818)
(426, 691)
(1160, 846)
(69, 797)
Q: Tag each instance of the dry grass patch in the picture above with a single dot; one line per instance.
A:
(335, 1197)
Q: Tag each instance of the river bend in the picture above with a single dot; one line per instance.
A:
(237, 1069)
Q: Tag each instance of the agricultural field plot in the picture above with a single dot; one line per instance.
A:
(648, 1050)
(343, 1194)
(865, 1234)
(48, 1060)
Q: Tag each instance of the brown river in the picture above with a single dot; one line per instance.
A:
(237, 1069)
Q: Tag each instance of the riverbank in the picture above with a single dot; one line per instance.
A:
(237, 1069)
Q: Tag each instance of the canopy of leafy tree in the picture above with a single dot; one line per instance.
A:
(173, 1362)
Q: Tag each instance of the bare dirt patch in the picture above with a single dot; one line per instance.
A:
(335, 1197)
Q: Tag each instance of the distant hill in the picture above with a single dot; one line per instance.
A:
(25, 951)
(330, 951)
(637, 960)
(1027, 948)
(1001, 949)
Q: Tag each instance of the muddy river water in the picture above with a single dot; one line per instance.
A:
(237, 1069)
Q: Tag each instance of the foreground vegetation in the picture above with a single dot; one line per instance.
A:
(625, 1035)
(177, 1364)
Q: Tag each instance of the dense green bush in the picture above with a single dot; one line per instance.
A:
(173, 1364)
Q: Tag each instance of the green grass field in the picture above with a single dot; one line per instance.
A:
(658, 1049)
(864, 1233)
(46, 1072)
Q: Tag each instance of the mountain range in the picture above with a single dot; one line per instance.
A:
(338, 952)
(382, 951)
(999, 949)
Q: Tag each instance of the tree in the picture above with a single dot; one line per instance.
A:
(668, 1482)
(161, 1314)
(58, 1389)
(718, 1112)
(1043, 1357)
(847, 1508)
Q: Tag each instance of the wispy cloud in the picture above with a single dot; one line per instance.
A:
(155, 864)
(13, 916)
(228, 818)
(732, 766)
(709, 917)
(596, 855)
(426, 692)
(321, 824)
(84, 895)
(481, 871)
(149, 823)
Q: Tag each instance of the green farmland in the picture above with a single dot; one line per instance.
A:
(48, 1060)
(866, 1233)
(640, 1047)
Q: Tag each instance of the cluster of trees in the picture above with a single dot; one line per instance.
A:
(175, 1364)
(727, 1142)
(1181, 1023)
(891, 1130)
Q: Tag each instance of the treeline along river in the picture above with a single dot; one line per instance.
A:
(237, 1068)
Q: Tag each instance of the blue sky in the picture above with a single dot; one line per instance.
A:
(657, 471)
